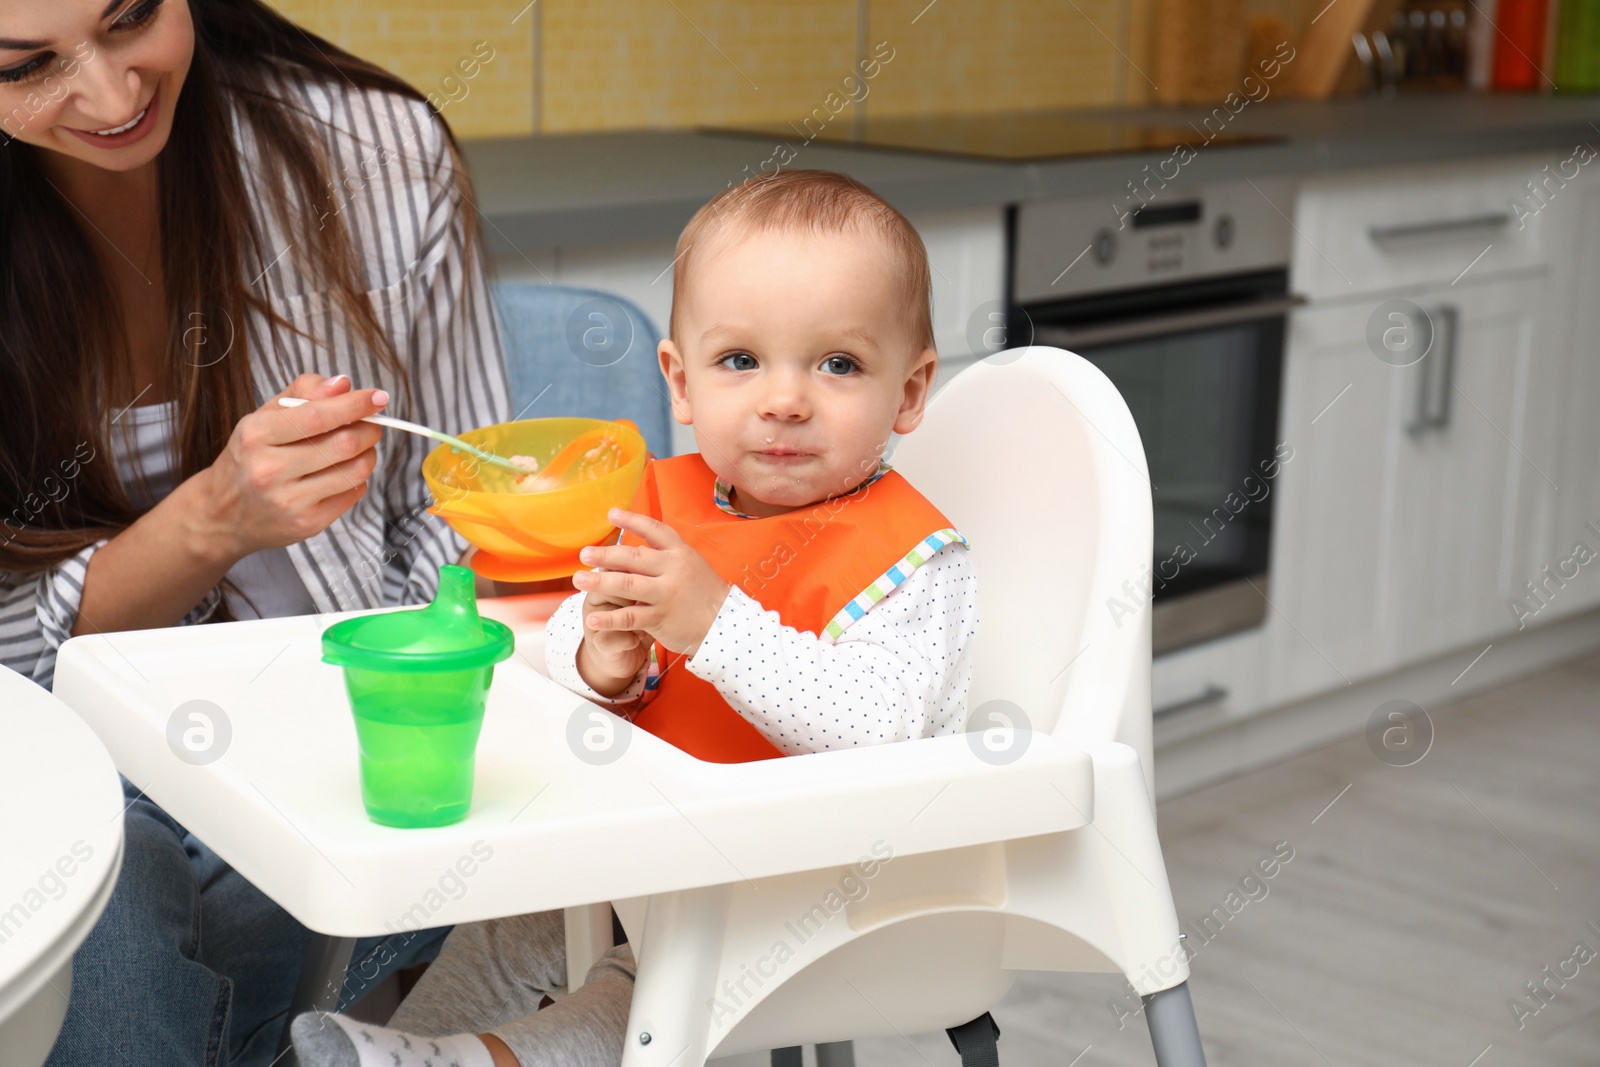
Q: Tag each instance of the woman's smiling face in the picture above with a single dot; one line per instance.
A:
(94, 81)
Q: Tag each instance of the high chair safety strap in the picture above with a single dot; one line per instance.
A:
(978, 1042)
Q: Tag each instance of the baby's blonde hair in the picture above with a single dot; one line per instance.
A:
(819, 201)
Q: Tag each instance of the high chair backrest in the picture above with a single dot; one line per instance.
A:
(582, 352)
(1034, 456)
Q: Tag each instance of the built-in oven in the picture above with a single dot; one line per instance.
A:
(1182, 302)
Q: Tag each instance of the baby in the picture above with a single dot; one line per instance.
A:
(782, 591)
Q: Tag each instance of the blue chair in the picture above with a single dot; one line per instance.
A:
(583, 352)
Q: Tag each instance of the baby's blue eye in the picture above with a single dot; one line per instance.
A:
(840, 365)
(740, 361)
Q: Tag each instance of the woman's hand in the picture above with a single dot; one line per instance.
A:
(288, 473)
(664, 587)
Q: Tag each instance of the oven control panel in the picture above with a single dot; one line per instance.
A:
(1067, 248)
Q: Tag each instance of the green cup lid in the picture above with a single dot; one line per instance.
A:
(447, 635)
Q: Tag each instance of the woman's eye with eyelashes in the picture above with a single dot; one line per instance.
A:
(138, 15)
(30, 69)
(134, 18)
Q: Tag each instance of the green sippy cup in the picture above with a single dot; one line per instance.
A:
(418, 681)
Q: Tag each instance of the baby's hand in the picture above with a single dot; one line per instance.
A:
(608, 659)
(670, 591)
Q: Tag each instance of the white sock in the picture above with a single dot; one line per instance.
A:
(324, 1039)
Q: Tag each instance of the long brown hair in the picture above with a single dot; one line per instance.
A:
(62, 347)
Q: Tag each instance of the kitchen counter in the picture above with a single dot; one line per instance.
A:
(585, 189)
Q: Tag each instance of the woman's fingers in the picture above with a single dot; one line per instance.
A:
(329, 450)
(319, 416)
(288, 473)
(316, 387)
(319, 434)
(336, 478)
(330, 508)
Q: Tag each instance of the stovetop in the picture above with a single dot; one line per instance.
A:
(1013, 137)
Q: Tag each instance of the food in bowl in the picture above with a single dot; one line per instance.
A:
(527, 483)
(527, 536)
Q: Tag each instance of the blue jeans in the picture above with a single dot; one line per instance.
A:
(191, 965)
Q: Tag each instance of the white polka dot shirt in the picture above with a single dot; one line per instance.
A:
(899, 672)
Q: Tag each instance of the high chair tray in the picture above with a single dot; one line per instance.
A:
(551, 824)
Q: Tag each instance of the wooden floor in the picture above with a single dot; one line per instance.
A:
(1418, 902)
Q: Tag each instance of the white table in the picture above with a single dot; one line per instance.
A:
(552, 825)
(60, 851)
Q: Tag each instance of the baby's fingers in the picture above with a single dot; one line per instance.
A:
(656, 533)
(621, 648)
(624, 618)
(641, 559)
(619, 586)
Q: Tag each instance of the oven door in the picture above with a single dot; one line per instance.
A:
(1200, 366)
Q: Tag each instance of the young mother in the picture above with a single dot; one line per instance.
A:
(203, 208)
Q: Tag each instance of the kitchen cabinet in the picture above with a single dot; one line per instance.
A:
(1328, 555)
(1398, 538)
(1379, 233)
(1451, 537)
(967, 262)
(1396, 542)
(1563, 432)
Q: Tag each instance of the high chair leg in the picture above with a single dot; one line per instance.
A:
(327, 959)
(681, 947)
(1173, 1029)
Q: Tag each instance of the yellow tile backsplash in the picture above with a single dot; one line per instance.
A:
(508, 67)
(473, 60)
(960, 56)
(615, 64)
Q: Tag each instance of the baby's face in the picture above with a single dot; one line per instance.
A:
(795, 360)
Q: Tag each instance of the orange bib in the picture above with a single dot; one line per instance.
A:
(819, 567)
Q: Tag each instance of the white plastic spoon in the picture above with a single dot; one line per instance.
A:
(423, 431)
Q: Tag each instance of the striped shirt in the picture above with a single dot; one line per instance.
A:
(395, 187)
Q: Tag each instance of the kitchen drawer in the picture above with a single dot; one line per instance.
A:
(1395, 229)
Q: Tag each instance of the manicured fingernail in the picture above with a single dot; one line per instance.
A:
(336, 381)
(380, 398)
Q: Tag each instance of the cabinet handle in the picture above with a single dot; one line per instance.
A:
(1490, 220)
(1431, 407)
(1447, 318)
(1209, 695)
(1417, 424)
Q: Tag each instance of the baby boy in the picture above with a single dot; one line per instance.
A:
(780, 591)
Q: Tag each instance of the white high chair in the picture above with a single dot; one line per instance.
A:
(1034, 456)
(1005, 849)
